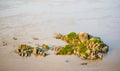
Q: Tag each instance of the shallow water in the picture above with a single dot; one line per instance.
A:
(26, 19)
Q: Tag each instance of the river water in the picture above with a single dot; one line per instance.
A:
(42, 18)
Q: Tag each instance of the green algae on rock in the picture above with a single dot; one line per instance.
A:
(25, 51)
(66, 50)
(83, 45)
(45, 46)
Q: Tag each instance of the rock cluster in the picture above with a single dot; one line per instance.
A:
(25, 50)
(39, 51)
(83, 45)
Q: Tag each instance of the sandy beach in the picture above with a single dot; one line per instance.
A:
(28, 19)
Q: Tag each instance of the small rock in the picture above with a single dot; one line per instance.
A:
(44, 46)
(58, 35)
(82, 57)
(34, 51)
(66, 61)
(4, 43)
(105, 49)
(83, 36)
(44, 54)
(55, 48)
(35, 38)
(40, 53)
(93, 57)
(100, 55)
(18, 50)
(20, 54)
(23, 54)
(88, 51)
(75, 52)
(84, 63)
(14, 38)
(26, 54)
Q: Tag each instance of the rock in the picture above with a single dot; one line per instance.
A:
(83, 36)
(23, 46)
(82, 57)
(105, 49)
(75, 52)
(40, 53)
(88, 52)
(22, 54)
(55, 48)
(66, 61)
(84, 63)
(44, 54)
(26, 54)
(34, 51)
(18, 50)
(69, 53)
(58, 35)
(100, 55)
(44, 46)
(4, 43)
(93, 56)
(35, 38)
(14, 38)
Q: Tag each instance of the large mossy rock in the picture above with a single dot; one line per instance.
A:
(83, 45)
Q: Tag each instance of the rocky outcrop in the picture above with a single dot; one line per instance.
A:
(25, 51)
(84, 45)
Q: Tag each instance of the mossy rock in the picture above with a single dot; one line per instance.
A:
(79, 44)
(45, 46)
(25, 50)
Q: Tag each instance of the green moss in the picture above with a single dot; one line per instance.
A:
(45, 47)
(98, 41)
(66, 50)
(86, 55)
(25, 47)
(72, 35)
(82, 48)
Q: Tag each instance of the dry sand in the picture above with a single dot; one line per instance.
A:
(28, 19)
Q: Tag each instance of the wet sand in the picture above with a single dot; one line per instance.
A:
(30, 19)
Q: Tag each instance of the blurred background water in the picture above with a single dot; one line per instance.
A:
(97, 17)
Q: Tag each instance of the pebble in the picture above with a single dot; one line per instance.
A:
(84, 63)
(4, 43)
(35, 38)
(14, 38)
(66, 61)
